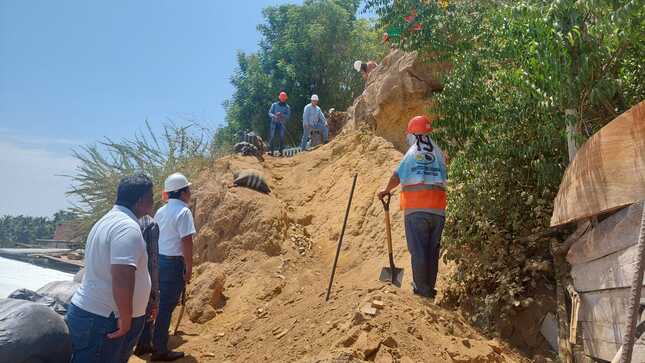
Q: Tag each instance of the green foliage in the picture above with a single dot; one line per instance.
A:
(24, 229)
(184, 149)
(516, 67)
(305, 49)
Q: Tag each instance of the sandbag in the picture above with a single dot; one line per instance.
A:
(255, 140)
(251, 179)
(62, 291)
(246, 149)
(33, 296)
(32, 333)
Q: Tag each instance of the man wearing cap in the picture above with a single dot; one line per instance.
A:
(176, 230)
(313, 119)
(279, 114)
(423, 177)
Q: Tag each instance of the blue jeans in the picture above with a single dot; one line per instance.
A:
(280, 128)
(171, 284)
(89, 337)
(306, 133)
(423, 233)
(145, 340)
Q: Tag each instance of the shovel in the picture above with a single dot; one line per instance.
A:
(392, 274)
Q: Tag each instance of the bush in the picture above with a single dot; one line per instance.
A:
(517, 66)
(185, 149)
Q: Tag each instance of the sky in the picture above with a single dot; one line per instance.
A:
(73, 72)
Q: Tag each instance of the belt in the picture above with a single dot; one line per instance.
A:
(181, 258)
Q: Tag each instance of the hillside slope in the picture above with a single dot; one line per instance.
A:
(258, 294)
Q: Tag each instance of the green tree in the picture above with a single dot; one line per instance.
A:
(518, 69)
(305, 49)
(101, 166)
(25, 229)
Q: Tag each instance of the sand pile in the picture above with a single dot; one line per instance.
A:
(273, 255)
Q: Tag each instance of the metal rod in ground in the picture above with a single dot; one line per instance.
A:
(635, 295)
(340, 239)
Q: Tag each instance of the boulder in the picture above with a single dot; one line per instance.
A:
(62, 291)
(398, 89)
(32, 333)
(206, 293)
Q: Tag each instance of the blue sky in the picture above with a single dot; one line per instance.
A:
(74, 71)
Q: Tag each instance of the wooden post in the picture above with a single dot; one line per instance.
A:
(561, 266)
(634, 296)
(565, 351)
(573, 135)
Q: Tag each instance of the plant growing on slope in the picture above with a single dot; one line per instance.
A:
(523, 72)
(101, 166)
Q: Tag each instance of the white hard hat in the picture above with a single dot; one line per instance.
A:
(175, 182)
(314, 97)
(357, 65)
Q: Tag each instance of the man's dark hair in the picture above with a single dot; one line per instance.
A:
(131, 189)
(177, 193)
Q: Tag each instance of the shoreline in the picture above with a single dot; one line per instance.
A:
(42, 258)
(17, 274)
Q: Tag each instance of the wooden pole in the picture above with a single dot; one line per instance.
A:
(561, 266)
(340, 239)
(634, 296)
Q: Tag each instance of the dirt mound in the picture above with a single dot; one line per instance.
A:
(206, 293)
(232, 219)
(275, 253)
(399, 88)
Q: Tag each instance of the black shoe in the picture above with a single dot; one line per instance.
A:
(167, 356)
(142, 350)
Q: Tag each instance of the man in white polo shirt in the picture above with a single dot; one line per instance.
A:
(108, 310)
(176, 229)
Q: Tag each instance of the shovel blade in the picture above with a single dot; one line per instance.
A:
(393, 276)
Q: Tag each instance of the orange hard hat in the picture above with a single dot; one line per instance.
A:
(283, 96)
(419, 125)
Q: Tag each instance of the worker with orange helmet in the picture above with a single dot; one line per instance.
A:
(423, 177)
(279, 114)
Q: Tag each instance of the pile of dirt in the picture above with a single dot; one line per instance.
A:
(206, 293)
(398, 89)
(273, 255)
(336, 121)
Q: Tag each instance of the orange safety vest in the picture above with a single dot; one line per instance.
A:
(423, 197)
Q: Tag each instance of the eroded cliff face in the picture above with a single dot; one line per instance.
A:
(400, 87)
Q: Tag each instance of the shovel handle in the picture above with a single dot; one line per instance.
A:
(386, 201)
(388, 229)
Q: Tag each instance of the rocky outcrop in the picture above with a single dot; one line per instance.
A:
(398, 89)
(206, 294)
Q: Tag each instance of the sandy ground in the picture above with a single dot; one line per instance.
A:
(276, 252)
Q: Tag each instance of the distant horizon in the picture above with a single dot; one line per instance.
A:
(75, 73)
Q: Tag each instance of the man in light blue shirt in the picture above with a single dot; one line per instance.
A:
(313, 119)
(279, 115)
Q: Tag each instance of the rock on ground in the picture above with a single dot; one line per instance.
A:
(206, 293)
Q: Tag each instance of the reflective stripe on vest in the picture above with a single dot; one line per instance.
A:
(423, 197)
